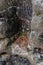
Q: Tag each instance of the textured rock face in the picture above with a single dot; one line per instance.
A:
(24, 7)
(37, 21)
(20, 45)
(15, 18)
(36, 35)
(9, 22)
(24, 10)
(38, 6)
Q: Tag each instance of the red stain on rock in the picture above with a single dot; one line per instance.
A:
(22, 41)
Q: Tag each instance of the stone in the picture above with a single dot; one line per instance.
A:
(3, 44)
(20, 45)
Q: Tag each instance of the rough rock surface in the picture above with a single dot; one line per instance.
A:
(15, 19)
(36, 35)
(21, 32)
